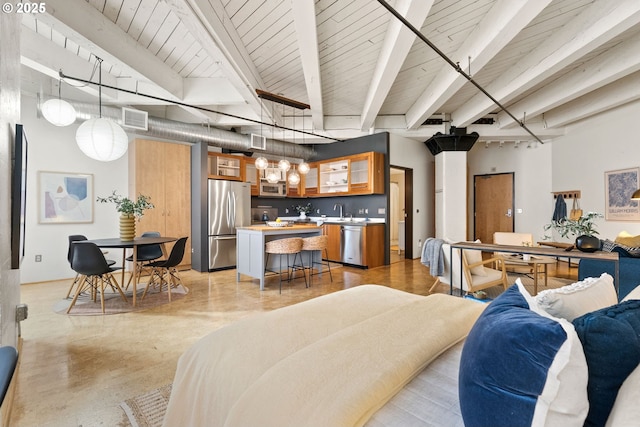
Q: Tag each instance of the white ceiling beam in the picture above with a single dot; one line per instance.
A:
(46, 57)
(207, 21)
(502, 23)
(599, 23)
(395, 48)
(304, 19)
(614, 64)
(87, 27)
(613, 95)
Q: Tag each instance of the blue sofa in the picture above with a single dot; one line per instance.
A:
(629, 272)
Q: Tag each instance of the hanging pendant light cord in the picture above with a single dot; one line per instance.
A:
(456, 66)
(99, 86)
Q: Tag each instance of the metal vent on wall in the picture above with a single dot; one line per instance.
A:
(135, 119)
(258, 142)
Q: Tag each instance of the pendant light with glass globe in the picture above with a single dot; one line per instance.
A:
(294, 177)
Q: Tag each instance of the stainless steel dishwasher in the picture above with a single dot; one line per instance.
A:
(351, 244)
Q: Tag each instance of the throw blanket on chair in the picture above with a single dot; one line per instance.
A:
(329, 361)
(431, 256)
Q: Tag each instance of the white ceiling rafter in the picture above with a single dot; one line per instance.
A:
(396, 46)
(615, 63)
(565, 59)
(596, 25)
(209, 23)
(304, 16)
(503, 22)
(87, 27)
(615, 94)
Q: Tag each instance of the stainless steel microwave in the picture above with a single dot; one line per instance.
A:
(278, 189)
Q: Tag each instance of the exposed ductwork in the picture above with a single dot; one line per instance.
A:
(189, 132)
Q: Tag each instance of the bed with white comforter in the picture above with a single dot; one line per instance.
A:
(336, 360)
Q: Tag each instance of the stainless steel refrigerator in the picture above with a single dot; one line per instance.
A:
(229, 207)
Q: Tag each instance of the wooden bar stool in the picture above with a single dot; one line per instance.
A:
(316, 244)
(288, 246)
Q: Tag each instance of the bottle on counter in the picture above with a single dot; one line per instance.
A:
(265, 216)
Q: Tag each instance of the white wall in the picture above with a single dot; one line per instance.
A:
(408, 153)
(9, 116)
(53, 148)
(533, 177)
(451, 195)
(604, 143)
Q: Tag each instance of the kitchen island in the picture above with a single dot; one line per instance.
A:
(250, 248)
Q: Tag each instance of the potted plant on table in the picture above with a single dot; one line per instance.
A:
(130, 211)
(583, 228)
(303, 210)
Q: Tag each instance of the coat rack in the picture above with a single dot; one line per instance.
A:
(571, 194)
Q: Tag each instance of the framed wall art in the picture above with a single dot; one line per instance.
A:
(65, 197)
(619, 186)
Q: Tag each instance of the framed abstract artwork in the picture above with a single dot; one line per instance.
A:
(619, 186)
(65, 197)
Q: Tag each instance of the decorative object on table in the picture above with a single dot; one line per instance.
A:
(65, 197)
(129, 210)
(303, 210)
(583, 228)
(620, 186)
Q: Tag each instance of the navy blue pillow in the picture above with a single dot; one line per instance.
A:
(505, 361)
(611, 341)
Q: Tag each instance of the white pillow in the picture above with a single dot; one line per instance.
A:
(634, 294)
(626, 411)
(473, 257)
(571, 301)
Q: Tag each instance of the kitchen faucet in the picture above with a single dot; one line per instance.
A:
(338, 205)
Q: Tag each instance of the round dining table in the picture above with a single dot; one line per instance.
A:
(134, 244)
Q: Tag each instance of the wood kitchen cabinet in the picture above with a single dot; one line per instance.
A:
(251, 176)
(333, 231)
(310, 181)
(356, 174)
(162, 171)
(225, 166)
(373, 255)
(366, 173)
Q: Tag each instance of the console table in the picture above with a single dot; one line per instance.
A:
(543, 251)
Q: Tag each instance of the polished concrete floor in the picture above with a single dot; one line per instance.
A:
(75, 370)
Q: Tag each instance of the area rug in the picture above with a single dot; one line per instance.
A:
(148, 409)
(113, 303)
(527, 281)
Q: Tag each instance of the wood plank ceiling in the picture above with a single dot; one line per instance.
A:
(551, 62)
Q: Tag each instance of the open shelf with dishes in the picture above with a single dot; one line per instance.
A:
(334, 176)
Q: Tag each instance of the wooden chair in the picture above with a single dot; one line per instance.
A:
(288, 246)
(513, 239)
(476, 276)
